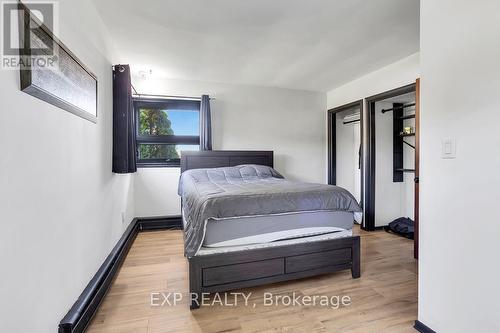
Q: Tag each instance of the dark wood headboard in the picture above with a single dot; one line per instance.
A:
(224, 158)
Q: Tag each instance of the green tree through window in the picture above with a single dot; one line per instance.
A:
(155, 122)
(164, 129)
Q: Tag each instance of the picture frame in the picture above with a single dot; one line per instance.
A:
(51, 72)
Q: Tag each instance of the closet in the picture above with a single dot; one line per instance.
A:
(345, 148)
(394, 158)
(373, 151)
(391, 173)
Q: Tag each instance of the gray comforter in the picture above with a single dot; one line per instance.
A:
(248, 190)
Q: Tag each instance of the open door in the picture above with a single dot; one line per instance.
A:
(417, 165)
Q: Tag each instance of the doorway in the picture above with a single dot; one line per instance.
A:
(392, 120)
(345, 162)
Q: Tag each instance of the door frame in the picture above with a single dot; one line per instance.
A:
(417, 167)
(369, 175)
(332, 142)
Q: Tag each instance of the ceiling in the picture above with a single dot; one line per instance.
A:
(299, 44)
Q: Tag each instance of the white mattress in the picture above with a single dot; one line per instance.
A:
(340, 234)
(246, 230)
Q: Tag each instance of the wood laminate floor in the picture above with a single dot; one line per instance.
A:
(384, 299)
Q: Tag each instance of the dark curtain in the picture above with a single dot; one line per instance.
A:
(205, 124)
(124, 155)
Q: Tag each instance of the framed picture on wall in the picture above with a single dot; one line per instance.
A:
(51, 72)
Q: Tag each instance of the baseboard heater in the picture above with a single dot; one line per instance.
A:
(82, 311)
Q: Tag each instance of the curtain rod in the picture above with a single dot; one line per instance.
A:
(133, 88)
(136, 94)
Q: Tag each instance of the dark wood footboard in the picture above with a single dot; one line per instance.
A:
(235, 270)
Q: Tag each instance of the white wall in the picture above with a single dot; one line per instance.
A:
(459, 231)
(156, 192)
(398, 74)
(409, 177)
(290, 122)
(60, 204)
(348, 138)
(389, 196)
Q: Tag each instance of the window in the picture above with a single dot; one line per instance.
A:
(164, 129)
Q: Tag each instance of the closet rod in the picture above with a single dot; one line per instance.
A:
(351, 121)
(399, 107)
(404, 170)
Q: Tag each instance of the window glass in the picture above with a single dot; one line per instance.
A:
(153, 121)
(163, 151)
(164, 129)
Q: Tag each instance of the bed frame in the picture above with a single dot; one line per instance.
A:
(248, 268)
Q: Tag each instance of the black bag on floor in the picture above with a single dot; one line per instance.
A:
(402, 226)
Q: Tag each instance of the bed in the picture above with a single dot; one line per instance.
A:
(245, 225)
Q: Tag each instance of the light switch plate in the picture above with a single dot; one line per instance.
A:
(449, 148)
